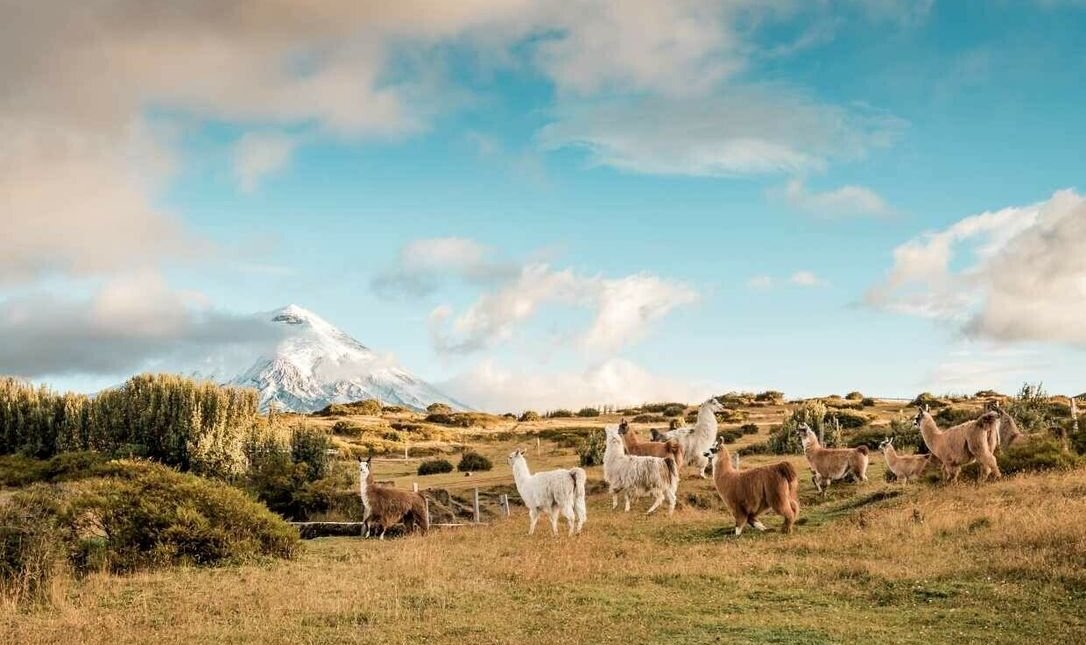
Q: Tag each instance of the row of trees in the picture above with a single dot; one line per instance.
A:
(190, 424)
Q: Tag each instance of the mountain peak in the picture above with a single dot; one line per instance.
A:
(315, 364)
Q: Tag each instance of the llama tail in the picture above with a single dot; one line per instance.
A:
(672, 472)
(579, 511)
(788, 471)
(862, 449)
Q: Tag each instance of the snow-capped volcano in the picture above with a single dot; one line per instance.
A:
(316, 364)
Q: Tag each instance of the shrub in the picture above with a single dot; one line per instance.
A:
(867, 402)
(591, 450)
(560, 413)
(729, 415)
(907, 439)
(473, 461)
(31, 553)
(674, 410)
(769, 396)
(848, 419)
(952, 415)
(748, 428)
(760, 448)
(456, 419)
(393, 409)
(434, 467)
(736, 399)
(18, 470)
(528, 415)
(1036, 454)
(588, 412)
(1031, 409)
(854, 396)
(927, 399)
(346, 429)
(310, 447)
(649, 418)
(439, 408)
(729, 436)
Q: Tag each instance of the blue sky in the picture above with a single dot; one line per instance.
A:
(556, 203)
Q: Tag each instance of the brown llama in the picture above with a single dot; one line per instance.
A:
(830, 464)
(748, 493)
(384, 506)
(904, 467)
(963, 444)
(669, 448)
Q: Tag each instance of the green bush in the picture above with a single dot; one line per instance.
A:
(854, 396)
(591, 449)
(32, 554)
(748, 428)
(528, 415)
(760, 448)
(928, 399)
(310, 447)
(736, 399)
(560, 413)
(730, 415)
(867, 402)
(588, 412)
(439, 408)
(1035, 454)
(848, 419)
(729, 436)
(435, 467)
(649, 418)
(675, 410)
(347, 429)
(785, 441)
(1030, 409)
(769, 396)
(473, 461)
(952, 415)
(455, 420)
(18, 470)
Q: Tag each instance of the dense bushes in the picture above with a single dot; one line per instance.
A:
(952, 415)
(729, 436)
(560, 413)
(649, 418)
(867, 402)
(135, 515)
(18, 470)
(1036, 454)
(439, 408)
(848, 419)
(454, 420)
(748, 428)
(588, 412)
(854, 396)
(591, 449)
(675, 410)
(193, 425)
(366, 407)
(769, 396)
(528, 415)
(434, 467)
(784, 440)
(473, 461)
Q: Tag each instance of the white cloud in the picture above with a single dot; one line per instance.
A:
(743, 131)
(622, 309)
(128, 325)
(760, 282)
(839, 202)
(257, 155)
(1017, 274)
(807, 279)
(613, 382)
(423, 265)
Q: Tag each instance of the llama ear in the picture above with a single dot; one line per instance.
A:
(369, 459)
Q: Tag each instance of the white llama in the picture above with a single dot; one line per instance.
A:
(638, 475)
(696, 440)
(552, 492)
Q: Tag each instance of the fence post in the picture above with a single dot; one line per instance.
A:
(415, 487)
(538, 447)
(406, 444)
(427, 500)
(475, 506)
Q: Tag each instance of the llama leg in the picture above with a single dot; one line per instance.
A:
(533, 517)
(554, 520)
(817, 479)
(740, 522)
(627, 495)
(614, 501)
(671, 499)
(755, 523)
(702, 462)
(659, 499)
(571, 518)
(989, 461)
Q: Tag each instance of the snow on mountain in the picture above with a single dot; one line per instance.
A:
(316, 364)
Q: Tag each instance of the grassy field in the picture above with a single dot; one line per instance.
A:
(998, 563)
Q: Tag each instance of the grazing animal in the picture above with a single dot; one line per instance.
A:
(963, 444)
(552, 492)
(384, 506)
(669, 448)
(830, 464)
(638, 475)
(696, 440)
(904, 467)
(748, 493)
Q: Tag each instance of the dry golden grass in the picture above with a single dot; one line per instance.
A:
(1004, 562)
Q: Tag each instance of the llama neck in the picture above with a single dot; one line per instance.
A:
(812, 441)
(520, 470)
(724, 462)
(364, 484)
(929, 430)
(706, 420)
(889, 453)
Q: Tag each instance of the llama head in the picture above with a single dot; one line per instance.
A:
(806, 435)
(613, 436)
(515, 455)
(920, 412)
(623, 426)
(886, 444)
(714, 405)
(364, 467)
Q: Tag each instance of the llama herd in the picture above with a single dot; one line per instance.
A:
(633, 468)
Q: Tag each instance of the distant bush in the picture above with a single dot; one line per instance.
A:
(456, 420)
(473, 461)
(588, 412)
(393, 409)
(439, 408)
(649, 418)
(365, 407)
(674, 410)
(1030, 408)
(529, 415)
(988, 394)
(346, 429)
(729, 436)
(848, 419)
(560, 413)
(736, 399)
(952, 415)
(748, 428)
(927, 399)
(769, 396)
(434, 467)
(854, 396)
(590, 452)
(760, 448)
(730, 415)
(659, 408)
(868, 402)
